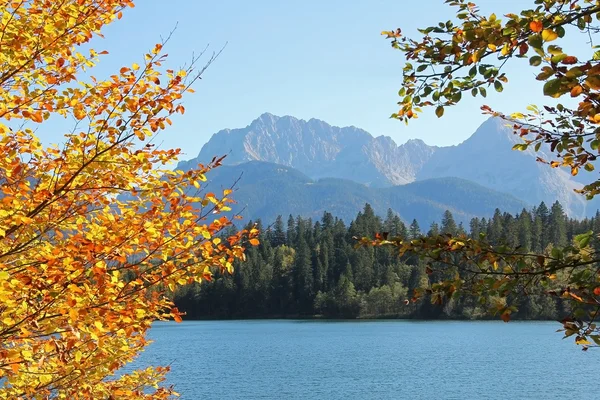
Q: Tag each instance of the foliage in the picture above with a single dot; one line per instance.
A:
(468, 55)
(93, 231)
(340, 281)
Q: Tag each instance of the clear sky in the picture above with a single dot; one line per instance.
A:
(319, 59)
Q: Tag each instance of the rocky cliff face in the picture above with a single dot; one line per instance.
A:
(320, 150)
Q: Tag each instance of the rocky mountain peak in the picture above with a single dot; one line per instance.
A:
(320, 150)
(317, 149)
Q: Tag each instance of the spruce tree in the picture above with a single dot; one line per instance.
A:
(557, 225)
(278, 232)
(414, 230)
(448, 224)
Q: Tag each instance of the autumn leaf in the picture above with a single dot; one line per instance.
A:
(65, 222)
(576, 91)
(548, 35)
(536, 26)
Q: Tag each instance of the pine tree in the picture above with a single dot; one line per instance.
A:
(434, 229)
(543, 214)
(278, 232)
(414, 230)
(495, 228)
(524, 230)
(291, 231)
(474, 228)
(557, 226)
(448, 224)
(303, 277)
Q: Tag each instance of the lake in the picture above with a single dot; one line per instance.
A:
(371, 360)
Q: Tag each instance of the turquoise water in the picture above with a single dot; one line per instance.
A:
(372, 360)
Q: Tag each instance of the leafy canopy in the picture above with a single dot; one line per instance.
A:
(466, 55)
(96, 231)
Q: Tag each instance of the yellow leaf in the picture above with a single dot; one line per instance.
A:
(582, 341)
(549, 35)
(79, 112)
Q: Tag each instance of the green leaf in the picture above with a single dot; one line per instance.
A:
(558, 58)
(498, 86)
(535, 61)
(473, 72)
(536, 41)
(439, 111)
(554, 49)
(589, 167)
(552, 88)
(583, 239)
(596, 339)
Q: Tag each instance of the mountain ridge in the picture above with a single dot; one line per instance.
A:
(266, 190)
(320, 150)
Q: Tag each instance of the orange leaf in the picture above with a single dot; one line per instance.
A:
(536, 26)
(576, 91)
(254, 242)
(79, 112)
(597, 291)
(573, 295)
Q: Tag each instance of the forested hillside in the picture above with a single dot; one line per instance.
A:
(265, 190)
(306, 268)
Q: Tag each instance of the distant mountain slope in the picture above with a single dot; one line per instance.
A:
(488, 159)
(320, 150)
(266, 190)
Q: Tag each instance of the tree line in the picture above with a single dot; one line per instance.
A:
(306, 268)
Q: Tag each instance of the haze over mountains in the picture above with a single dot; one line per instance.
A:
(288, 165)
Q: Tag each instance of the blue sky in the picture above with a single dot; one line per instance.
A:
(309, 59)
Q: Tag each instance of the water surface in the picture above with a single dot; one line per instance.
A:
(372, 360)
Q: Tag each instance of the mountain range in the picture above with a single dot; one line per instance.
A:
(293, 166)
